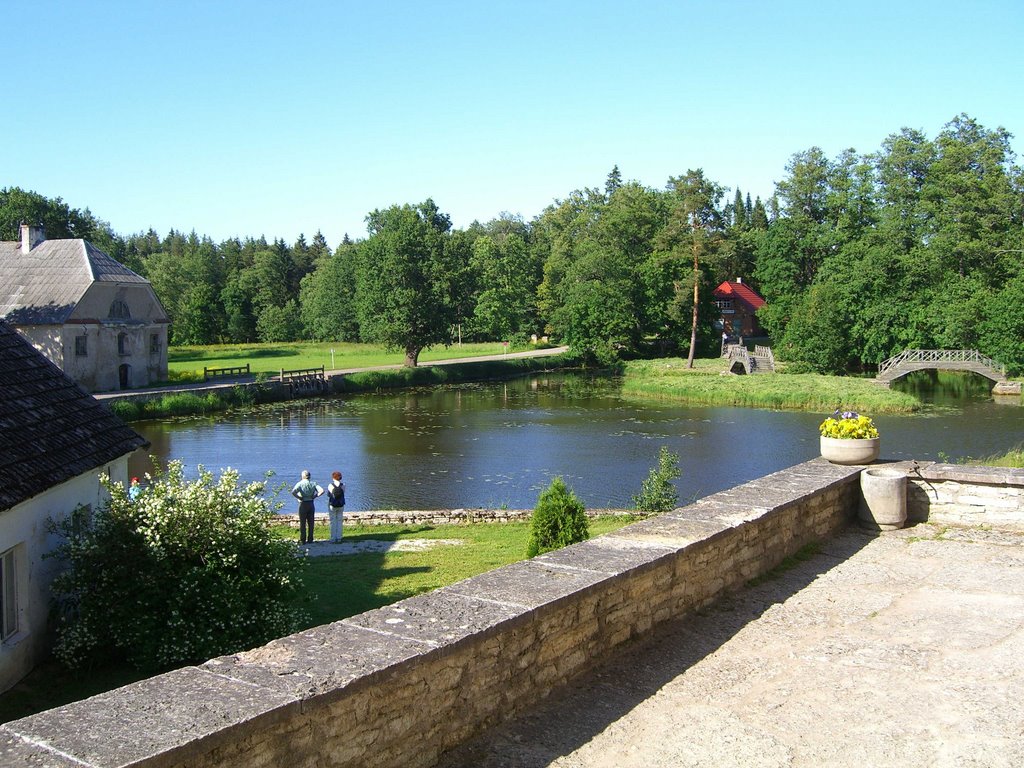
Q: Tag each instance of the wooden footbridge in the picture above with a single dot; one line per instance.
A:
(761, 360)
(939, 359)
(305, 381)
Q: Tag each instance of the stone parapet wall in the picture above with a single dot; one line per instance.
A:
(400, 685)
(958, 494)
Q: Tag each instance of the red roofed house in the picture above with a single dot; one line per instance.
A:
(738, 303)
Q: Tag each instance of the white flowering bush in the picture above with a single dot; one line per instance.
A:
(188, 571)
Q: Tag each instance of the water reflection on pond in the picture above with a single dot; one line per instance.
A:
(499, 444)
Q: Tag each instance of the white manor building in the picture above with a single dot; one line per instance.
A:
(94, 318)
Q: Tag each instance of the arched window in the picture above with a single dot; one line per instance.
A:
(119, 310)
(122, 344)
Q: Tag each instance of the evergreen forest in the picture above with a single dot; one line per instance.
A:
(919, 243)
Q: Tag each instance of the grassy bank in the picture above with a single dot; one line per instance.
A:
(191, 403)
(338, 587)
(187, 363)
(186, 404)
(1013, 458)
(708, 383)
(427, 375)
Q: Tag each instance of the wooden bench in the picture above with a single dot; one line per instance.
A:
(236, 370)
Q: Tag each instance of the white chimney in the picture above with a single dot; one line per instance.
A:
(31, 237)
(739, 280)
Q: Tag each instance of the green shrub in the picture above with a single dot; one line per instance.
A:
(657, 494)
(126, 410)
(188, 571)
(558, 520)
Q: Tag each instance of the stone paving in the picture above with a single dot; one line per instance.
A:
(905, 649)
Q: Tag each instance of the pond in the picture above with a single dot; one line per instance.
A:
(499, 444)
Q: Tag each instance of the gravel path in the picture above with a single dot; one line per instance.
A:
(321, 548)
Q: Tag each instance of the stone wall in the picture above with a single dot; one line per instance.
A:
(400, 685)
(966, 495)
(437, 516)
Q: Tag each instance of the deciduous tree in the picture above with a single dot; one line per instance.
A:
(411, 278)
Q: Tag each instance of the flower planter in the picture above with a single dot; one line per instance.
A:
(850, 451)
(883, 499)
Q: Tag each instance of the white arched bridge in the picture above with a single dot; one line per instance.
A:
(940, 359)
(761, 360)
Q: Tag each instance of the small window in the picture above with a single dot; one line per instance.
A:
(154, 343)
(8, 595)
(81, 346)
(119, 310)
(123, 347)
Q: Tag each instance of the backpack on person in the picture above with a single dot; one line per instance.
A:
(336, 495)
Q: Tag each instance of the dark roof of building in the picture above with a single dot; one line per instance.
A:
(740, 291)
(51, 430)
(43, 286)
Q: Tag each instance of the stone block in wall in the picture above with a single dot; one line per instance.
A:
(317, 661)
(527, 584)
(180, 712)
(973, 474)
(18, 751)
(609, 555)
(675, 529)
(966, 495)
(442, 617)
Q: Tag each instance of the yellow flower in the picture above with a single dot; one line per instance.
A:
(854, 427)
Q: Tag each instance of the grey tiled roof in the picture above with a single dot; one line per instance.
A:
(42, 286)
(51, 430)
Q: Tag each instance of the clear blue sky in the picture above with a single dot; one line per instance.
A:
(275, 118)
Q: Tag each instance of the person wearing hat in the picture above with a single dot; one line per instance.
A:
(306, 491)
(134, 489)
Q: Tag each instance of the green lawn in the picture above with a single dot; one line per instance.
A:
(270, 358)
(708, 384)
(339, 586)
(372, 580)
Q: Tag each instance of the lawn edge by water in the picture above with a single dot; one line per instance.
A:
(186, 403)
(710, 384)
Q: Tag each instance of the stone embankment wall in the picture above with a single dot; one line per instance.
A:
(400, 685)
(958, 494)
(438, 516)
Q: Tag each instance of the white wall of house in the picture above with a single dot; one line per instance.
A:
(48, 339)
(24, 533)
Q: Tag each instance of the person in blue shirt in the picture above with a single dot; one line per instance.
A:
(306, 491)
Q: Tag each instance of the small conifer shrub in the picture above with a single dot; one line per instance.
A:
(657, 494)
(559, 519)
